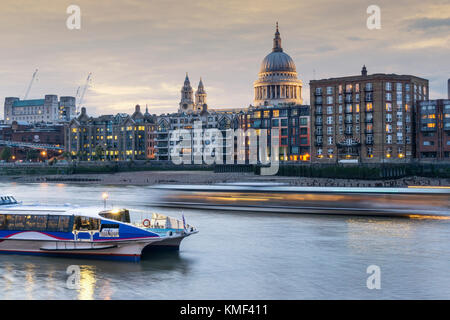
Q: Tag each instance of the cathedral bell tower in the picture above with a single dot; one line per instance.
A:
(200, 96)
(187, 101)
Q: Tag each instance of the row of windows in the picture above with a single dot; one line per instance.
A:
(368, 87)
(47, 223)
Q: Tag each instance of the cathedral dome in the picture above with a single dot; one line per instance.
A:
(277, 79)
(277, 61)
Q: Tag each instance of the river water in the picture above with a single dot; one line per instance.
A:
(242, 256)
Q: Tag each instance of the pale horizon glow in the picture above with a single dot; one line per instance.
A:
(139, 51)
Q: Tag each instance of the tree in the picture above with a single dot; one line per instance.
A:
(99, 152)
(6, 154)
(67, 156)
(32, 154)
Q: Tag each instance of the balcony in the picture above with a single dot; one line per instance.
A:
(318, 112)
(446, 125)
(368, 120)
(348, 133)
(369, 142)
(318, 123)
(318, 133)
(348, 121)
(318, 144)
(369, 131)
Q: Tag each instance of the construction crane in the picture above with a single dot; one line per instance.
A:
(31, 83)
(78, 92)
(83, 92)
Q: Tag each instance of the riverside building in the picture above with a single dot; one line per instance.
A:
(190, 112)
(109, 137)
(48, 109)
(278, 104)
(433, 130)
(365, 118)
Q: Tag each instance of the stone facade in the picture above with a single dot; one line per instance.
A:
(119, 137)
(48, 109)
(277, 79)
(222, 120)
(187, 102)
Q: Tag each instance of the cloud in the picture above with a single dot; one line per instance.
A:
(138, 51)
(441, 42)
(425, 24)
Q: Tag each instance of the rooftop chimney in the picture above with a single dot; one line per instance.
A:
(364, 71)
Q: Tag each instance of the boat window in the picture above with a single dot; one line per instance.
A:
(36, 223)
(33, 222)
(40, 223)
(29, 223)
(9, 223)
(20, 222)
(86, 223)
(122, 215)
(52, 223)
(64, 223)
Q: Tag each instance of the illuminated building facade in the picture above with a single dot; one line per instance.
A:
(293, 123)
(109, 137)
(433, 130)
(365, 118)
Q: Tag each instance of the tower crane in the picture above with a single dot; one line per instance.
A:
(31, 83)
(83, 92)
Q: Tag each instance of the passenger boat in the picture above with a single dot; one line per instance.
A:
(71, 231)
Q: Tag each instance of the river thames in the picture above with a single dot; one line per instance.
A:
(241, 255)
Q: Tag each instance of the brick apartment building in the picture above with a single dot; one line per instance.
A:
(433, 130)
(365, 118)
(120, 137)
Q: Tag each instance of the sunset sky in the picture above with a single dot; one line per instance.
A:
(139, 51)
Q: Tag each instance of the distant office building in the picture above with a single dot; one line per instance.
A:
(48, 109)
(365, 118)
(109, 137)
(433, 130)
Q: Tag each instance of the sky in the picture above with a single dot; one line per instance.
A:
(139, 51)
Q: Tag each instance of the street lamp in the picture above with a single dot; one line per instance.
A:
(105, 196)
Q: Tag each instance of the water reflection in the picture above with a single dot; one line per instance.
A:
(29, 275)
(241, 256)
(87, 283)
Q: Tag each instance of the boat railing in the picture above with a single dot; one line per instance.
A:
(4, 200)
